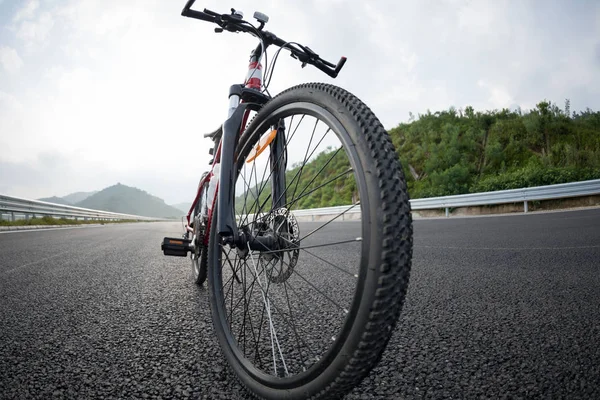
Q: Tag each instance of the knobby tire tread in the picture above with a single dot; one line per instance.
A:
(203, 267)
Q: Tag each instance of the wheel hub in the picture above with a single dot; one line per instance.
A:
(279, 265)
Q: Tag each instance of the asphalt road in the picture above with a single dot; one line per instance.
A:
(498, 307)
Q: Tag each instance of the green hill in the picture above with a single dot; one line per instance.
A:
(69, 199)
(463, 151)
(455, 152)
(129, 200)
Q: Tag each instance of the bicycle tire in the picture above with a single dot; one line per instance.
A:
(383, 265)
(199, 257)
(200, 267)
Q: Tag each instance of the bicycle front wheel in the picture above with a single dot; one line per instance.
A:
(311, 318)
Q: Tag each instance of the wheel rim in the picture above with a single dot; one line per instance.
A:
(199, 230)
(285, 330)
(195, 265)
(195, 255)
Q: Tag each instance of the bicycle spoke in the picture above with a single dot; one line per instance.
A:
(286, 305)
(271, 172)
(330, 221)
(274, 339)
(289, 321)
(269, 306)
(358, 239)
(302, 195)
(319, 291)
(265, 181)
(245, 291)
(316, 175)
(344, 310)
(264, 305)
(309, 283)
(246, 313)
(294, 324)
(312, 135)
(324, 260)
(300, 170)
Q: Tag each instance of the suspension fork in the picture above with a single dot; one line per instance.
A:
(226, 224)
(278, 161)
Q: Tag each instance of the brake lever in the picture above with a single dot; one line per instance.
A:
(311, 53)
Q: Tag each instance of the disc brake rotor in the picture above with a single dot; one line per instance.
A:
(280, 265)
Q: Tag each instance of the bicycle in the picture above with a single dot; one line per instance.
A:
(301, 308)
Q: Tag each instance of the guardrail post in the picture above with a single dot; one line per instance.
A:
(447, 212)
(12, 216)
(525, 208)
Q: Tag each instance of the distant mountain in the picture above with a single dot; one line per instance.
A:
(185, 207)
(69, 199)
(56, 200)
(78, 196)
(129, 200)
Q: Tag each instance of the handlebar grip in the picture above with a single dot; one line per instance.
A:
(198, 15)
(339, 65)
(187, 12)
(187, 7)
(212, 13)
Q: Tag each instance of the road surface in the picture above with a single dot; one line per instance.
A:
(498, 307)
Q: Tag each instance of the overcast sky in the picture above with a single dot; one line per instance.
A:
(95, 92)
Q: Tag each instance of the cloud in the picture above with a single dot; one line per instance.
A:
(54, 174)
(498, 95)
(480, 17)
(10, 60)
(31, 24)
(27, 11)
(9, 102)
(59, 174)
(37, 30)
(102, 92)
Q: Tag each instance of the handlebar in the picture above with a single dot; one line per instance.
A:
(234, 23)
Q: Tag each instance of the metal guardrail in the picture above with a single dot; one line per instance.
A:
(549, 192)
(524, 195)
(15, 206)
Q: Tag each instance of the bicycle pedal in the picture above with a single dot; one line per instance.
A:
(177, 247)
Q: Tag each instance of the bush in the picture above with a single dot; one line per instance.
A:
(534, 175)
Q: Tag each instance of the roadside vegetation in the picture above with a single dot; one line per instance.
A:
(466, 151)
(463, 151)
